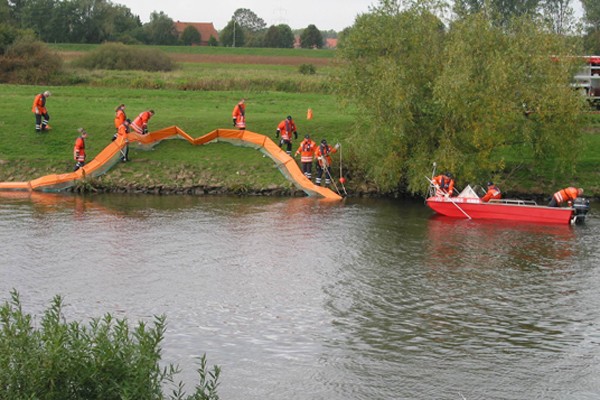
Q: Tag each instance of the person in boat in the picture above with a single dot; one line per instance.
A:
(492, 193)
(444, 184)
(239, 115)
(307, 151)
(79, 149)
(565, 195)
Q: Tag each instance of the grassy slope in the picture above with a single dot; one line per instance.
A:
(27, 155)
(23, 155)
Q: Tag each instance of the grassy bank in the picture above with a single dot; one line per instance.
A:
(198, 97)
(26, 155)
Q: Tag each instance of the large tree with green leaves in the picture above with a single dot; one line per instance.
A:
(279, 36)
(460, 97)
(232, 35)
(591, 17)
(311, 37)
(161, 29)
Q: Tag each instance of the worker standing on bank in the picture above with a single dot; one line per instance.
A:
(79, 149)
(41, 112)
(123, 132)
(140, 123)
(324, 161)
(307, 152)
(120, 117)
(286, 128)
(239, 115)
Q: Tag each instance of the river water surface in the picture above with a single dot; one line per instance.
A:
(304, 299)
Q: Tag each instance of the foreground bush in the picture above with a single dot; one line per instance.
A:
(104, 360)
(117, 56)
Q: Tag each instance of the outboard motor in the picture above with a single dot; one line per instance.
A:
(581, 206)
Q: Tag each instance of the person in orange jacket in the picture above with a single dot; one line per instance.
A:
(324, 161)
(239, 115)
(79, 149)
(444, 184)
(307, 150)
(140, 123)
(123, 132)
(565, 195)
(286, 128)
(120, 117)
(41, 112)
(492, 193)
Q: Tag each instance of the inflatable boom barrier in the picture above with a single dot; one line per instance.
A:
(111, 155)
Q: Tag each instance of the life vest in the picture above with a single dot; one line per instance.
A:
(140, 124)
(492, 193)
(564, 195)
(120, 117)
(39, 104)
(307, 150)
(286, 127)
(123, 130)
(79, 149)
(324, 151)
(446, 185)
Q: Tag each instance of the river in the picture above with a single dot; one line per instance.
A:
(296, 298)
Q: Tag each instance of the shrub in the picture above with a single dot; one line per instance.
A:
(29, 61)
(117, 56)
(105, 360)
(307, 69)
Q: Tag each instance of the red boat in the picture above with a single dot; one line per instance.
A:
(469, 205)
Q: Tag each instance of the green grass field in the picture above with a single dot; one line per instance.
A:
(26, 155)
(193, 98)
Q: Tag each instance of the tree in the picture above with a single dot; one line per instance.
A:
(279, 36)
(591, 17)
(460, 97)
(212, 42)
(232, 35)
(248, 20)
(190, 36)
(559, 14)
(498, 11)
(161, 29)
(311, 37)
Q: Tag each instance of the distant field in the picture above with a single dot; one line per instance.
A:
(238, 55)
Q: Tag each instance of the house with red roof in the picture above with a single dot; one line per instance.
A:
(206, 30)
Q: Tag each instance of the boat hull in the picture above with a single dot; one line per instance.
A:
(474, 208)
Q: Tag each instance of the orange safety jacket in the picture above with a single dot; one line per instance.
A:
(307, 150)
(123, 130)
(39, 104)
(79, 149)
(286, 128)
(140, 124)
(492, 193)
(120, 117)
(567, 194)
(445, 184)
(323, 151)
(239, 110)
